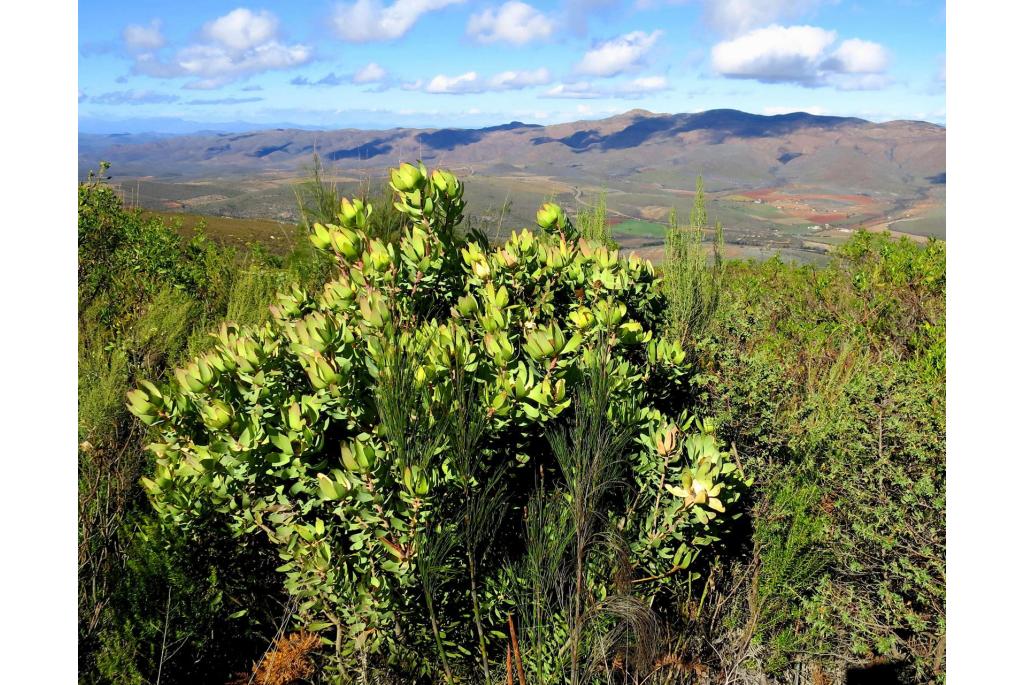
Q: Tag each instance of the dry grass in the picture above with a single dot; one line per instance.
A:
(288, 661)
(277, 237)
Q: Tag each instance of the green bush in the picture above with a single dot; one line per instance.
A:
(360, 428)
(452, 439)
(592, 222)
(692, 286)
(832, 381)
(147, 299)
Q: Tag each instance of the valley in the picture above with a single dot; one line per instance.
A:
(794, 184)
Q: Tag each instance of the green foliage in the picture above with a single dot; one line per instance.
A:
(147, 297)
(327, 431)
(319, 201)
(693, 288)
(831, 384)
(789, 535)
(592, 222)
(430, 439)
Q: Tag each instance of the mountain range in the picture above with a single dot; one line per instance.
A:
(802, 165)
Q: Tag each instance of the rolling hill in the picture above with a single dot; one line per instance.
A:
(782, 181)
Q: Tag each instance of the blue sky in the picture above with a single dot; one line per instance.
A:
(383, 63)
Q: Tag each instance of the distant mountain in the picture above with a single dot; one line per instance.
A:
(733, 149)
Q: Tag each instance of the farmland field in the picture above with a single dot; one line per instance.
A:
(756, 222)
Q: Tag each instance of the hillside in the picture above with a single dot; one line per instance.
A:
(793, 180)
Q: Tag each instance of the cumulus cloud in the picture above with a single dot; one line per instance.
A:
(139, 38)
(625, 53)
(242, 29)
(514, 22)
(472, 82)
(801, 55)
(585, 90)
(129, 97)
(364, 21)
(371, 73)
(234, 46)
(857, 56)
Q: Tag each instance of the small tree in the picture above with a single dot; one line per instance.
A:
(592, 221)
(693, 287)
(341, 434)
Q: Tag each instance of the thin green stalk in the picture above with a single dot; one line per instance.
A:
(434, 627)
(476, 618)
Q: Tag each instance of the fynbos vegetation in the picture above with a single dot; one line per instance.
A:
(420, 454)
(327, 433)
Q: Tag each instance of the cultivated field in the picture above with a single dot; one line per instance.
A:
(795, 223)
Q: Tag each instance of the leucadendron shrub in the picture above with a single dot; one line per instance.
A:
(332, 431)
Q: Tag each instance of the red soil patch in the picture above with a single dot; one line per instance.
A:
(761, 194)
(825, 218)
(773, 195)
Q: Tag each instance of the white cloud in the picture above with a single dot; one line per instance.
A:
(775, 53)
(733, 17)
(472, 82)
(235, 46)
(469, 82)
(585, 90)
(363, 21)
(241, 29)
(371, 73)
(514, 22)
(856, 56)
(615, 56)
(143, 38)
(800, 54)
(216, 66)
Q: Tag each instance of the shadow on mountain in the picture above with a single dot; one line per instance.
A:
(215, 150)
(787, 157)
(510, 126)
(638, 132)
(451, 138)
(578, 141)
(744, 125)
(373, 148)
(268, 150)
(723, 122)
